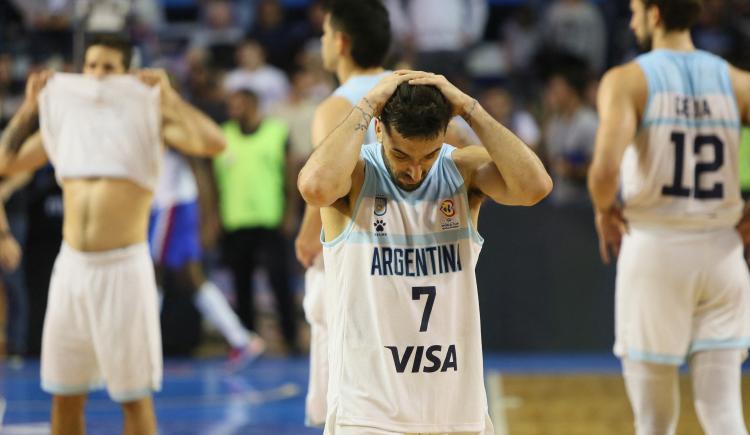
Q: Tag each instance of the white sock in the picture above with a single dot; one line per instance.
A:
(653, 390)
(213, 305)
(716, 386)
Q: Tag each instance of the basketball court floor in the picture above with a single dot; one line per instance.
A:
(529, 395)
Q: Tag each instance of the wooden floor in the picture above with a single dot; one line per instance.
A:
(580, 405)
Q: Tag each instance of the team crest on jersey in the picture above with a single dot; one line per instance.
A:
(381, 205)
(379, 225)
(447, 208)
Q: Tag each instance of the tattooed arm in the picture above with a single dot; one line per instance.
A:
(327, 175)
(26, 121)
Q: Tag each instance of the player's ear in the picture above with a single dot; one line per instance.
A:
(653, 16)
(379, 130)
(343, 44)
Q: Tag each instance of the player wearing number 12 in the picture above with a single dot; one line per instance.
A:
(670, 125)
(400, 245)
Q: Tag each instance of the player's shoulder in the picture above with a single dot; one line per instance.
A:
(628, 76)
(333, 105)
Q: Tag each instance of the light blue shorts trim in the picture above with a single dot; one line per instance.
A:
(74, 390)
(695, 346)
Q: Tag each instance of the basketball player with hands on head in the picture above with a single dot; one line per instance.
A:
(103, 133)
(668, 138)
(400, 246)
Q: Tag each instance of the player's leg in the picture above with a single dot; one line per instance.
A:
(721, 326)
(126, 331)
(240, 256)
(139, 417)
(655, 287)
(67, 415)
(278, 270)
(212, 304)
(653, 390)
(717, 391)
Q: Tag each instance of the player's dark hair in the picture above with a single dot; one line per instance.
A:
(677, 14)
(115, 41)
(416, 112)
(366, 24)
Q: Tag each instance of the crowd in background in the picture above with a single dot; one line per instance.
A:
(533, 64)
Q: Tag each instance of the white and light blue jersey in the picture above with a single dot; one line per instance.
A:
(357, 87)
(682, 170)
(405, 347)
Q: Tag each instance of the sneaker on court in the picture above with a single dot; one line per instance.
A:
(241, 357)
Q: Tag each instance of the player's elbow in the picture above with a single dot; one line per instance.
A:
(537, 189)
(315, 189)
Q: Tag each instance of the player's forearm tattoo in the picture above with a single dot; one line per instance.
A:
(467, 115)
(364, 123)
(23, 125)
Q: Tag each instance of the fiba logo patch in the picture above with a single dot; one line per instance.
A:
(449, 220)
(381, 205)
(447, 208)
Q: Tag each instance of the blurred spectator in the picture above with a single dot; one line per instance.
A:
(14, 218)
(499, 103)
(202, 87)
(116, 15)
(438, 34)
(569, 131)
(577, 27)
(256, 185)
(219, 34)
(49, 23)
(280, 39)
(254, 74)
(521, 39)
(711, 32)
(11, 93)
(297, 111)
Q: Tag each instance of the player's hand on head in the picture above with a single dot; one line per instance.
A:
(462, 104)
(379, 95)
(10, 253)
(610, 227)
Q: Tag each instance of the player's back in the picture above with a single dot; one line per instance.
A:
(357, 87)
(682, 170)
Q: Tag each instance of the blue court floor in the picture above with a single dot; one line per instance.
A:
(200, 397)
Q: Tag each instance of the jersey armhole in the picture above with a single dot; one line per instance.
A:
(364, 191)
(455, 174)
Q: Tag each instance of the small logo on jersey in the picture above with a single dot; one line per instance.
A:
(447, 208)
(381, 205)
(379, 225)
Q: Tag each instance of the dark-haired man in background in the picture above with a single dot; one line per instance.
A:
(103, 133)
(400, 246)
(670, 121)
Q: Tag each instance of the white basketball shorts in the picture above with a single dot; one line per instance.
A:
(680, 292)
(314, 305)
(102, 324)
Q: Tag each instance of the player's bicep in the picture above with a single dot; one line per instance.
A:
(481, 175)
(741, 85)
(329, 115)
(618, 122)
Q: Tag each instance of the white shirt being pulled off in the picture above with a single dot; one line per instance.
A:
(107, 127)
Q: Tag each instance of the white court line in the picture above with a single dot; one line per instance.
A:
(26, 429)
(496, 403)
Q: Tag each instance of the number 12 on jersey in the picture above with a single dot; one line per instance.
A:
(677, 188)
